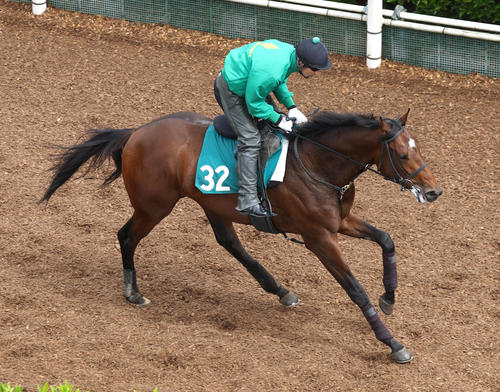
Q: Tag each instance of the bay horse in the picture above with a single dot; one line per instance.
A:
(158, 164)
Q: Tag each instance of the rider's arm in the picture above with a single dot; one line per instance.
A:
(284, 96)
(259, 85)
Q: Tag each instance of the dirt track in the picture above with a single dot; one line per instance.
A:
(210, 327)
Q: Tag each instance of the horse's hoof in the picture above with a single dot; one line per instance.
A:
(138, 300)
(402, 356)
(289, 300)
(385, 306)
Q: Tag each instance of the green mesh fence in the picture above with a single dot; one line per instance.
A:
(445, 52)
(429, 50)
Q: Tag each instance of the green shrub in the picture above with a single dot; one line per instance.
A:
(486, 11)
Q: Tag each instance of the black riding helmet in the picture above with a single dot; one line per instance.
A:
(313, 54)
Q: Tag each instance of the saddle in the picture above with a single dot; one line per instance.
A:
(270, 141)
(222, 126)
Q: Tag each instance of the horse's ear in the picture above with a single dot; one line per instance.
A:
(383, 125)
(404, 117)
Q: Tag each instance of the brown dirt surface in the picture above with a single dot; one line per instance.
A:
(210, 327)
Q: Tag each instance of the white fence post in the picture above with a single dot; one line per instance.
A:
(38, 7)
(374, 34)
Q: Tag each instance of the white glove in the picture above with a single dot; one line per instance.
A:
(285, 124)
(300, 118)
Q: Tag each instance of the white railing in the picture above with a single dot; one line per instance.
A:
(399, 14)
(375, 16)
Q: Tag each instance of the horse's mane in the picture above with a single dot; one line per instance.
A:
(329, 121)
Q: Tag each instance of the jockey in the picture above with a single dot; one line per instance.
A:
(242, 89)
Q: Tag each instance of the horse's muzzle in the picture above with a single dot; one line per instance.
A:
(433, 194)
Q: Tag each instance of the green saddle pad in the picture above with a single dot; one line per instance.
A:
(216, 169)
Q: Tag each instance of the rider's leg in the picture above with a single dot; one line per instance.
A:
(246, 167)
(249, 137)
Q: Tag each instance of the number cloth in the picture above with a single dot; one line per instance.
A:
(216, 168)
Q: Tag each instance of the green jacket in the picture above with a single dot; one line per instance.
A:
(255, 70)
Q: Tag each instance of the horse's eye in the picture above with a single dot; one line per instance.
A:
(403, 157)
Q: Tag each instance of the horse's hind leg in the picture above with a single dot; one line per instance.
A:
(129, 236)
(227, 237)
(354, 226)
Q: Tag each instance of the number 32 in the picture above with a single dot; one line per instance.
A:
(209, 178)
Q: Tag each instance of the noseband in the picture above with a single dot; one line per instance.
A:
(401, 176)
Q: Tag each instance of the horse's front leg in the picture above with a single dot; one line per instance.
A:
(227, 237)
(354, 226)
(325, 246)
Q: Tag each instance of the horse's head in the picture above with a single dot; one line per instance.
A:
(401, 160)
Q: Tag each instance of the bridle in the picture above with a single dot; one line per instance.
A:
(401, 176)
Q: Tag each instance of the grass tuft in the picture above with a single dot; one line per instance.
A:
(66, 387)
(8, 388)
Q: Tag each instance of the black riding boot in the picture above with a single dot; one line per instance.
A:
(248, 201)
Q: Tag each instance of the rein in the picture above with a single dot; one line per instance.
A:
(398, 179)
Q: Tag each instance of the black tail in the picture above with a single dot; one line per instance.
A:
(102, 144)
